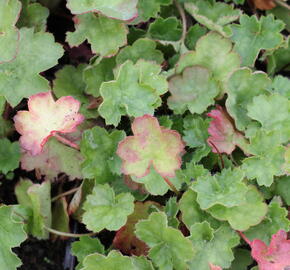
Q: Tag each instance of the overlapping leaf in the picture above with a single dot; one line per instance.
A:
(105, 35)
(253, 35)
(9, 155)
(104, 209)
(45, 118)
(19, 78)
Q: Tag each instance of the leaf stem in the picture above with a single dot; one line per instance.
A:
(282, 4)
(71, 191)
(183, 18)
(65, 234)
(220, 155)
(169, 183)
(66, 141)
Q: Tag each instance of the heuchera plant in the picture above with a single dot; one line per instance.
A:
(154, 133)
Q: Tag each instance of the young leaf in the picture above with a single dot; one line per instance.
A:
(151, 145)
(213, 52)
(105, 35)
(273, 112)
(9, 38)
(272, 257)
(165, 29)
(103, 209)
(169, 249)
(98, 148)
(9, 155)
(119, 9)
(142, 48)
(239, 217)
(125, 239)
(275, 220)
(11, 235)
(194, 90)
(114, 260)
(225, 189)
(215, 16)
(133, 93)
(224, 137)
(37, 198)
(84, 247)
(19, 78)
(45, 118)
(55, 158)
(212, 246)
(242, 87)
(253, 35)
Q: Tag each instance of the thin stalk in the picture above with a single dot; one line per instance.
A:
(282, 4)
(183, 18)
(245, 238)
(168, 182)
(220, 155)
(66, 141)
(65, 234)
(71, 191)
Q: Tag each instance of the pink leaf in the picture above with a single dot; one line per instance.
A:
(214, 267)
(276, 256)
(150, 145)
(224, 137)
(45, 118)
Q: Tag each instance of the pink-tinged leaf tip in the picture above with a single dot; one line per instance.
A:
(276, 256)
(151, 145)
(44, 118)
(214, 267)
(223, 135)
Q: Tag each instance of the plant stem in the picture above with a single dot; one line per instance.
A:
(183, 18)
(66, 141)
(168, 182)
(282, 4)
(71, 191)
(220, 155)
(65, 234)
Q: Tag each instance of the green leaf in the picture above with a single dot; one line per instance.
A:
(242, 87)
(194, 33)
(11, 235)
(225, 189)
(141, 263)
(275, 220)
(194, 90)
(9, 155)
(94, 75)
(281, 85)
(242, 259)
(60, 217)
(9, 39)
(253, 35)
(118, 9)
(273, 112)
(268, 158)
(165, 29)
(215, 16)
(191, 212)
(84, 247)
(133, 92)
(142, 48)
(171, 209)
(283, 188)
(69, 82)
(55, 158)
(114, 260)
(105, 35)
(19, 78)
(103, 209)
(37, 198)
(213, 52)
(239, 217)
(169, 249)
(98, 147)
(33, 15)
(212, 246)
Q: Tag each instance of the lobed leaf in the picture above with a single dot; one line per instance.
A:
(9, 155)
